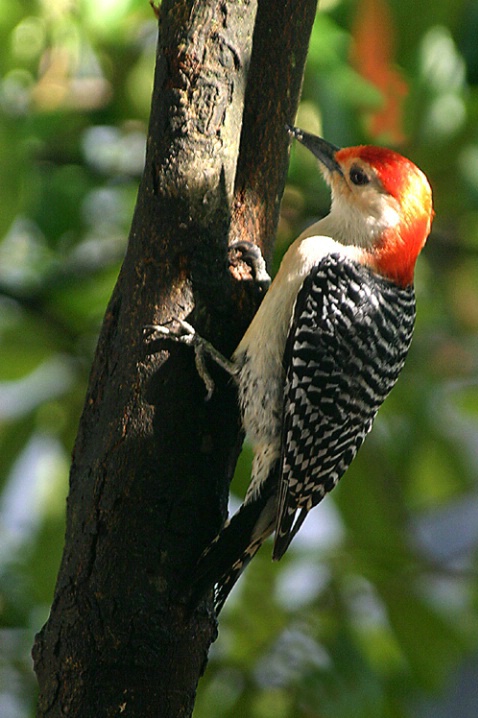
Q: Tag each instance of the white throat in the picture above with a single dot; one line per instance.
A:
(348, 224)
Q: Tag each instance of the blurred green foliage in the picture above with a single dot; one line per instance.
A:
(373, 611)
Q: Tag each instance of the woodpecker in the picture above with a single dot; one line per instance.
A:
(324, 349)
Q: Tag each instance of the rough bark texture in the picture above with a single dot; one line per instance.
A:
(281, 39)
(153, 460)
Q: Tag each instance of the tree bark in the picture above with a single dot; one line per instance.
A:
(153, 461)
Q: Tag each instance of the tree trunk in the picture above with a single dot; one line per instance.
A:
(152, 461)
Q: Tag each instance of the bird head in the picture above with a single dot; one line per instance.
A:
(381, 202)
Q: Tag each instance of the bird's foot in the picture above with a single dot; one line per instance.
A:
(250, 254)
(180, 331)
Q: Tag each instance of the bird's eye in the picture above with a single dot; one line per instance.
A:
(358, 176)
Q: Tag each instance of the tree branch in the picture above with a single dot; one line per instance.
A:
(281, 39)
(152, 460)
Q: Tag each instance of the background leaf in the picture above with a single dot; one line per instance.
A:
(373, 610)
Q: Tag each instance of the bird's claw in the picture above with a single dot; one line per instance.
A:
(250, 254)
(184, 333)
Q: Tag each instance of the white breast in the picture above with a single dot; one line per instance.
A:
(261, 350)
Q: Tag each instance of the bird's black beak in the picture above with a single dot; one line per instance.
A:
(323, 150)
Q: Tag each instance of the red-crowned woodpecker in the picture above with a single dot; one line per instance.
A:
(324, 349)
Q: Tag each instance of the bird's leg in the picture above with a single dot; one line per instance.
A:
(184, 333)
(180, 331)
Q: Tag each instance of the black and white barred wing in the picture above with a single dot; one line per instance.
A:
(347, 343)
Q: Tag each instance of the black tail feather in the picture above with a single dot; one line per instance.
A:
(226, 557)
(228, 580)
(286, 531)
